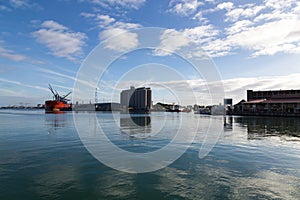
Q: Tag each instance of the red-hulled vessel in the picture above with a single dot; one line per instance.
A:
(59, 104)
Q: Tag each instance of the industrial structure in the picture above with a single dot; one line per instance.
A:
(137, 100)
(58, 104)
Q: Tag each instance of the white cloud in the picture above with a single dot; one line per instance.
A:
(201, 40)
(88, 15)
(200, 18)
(211, 1)
(184, 7)
(267, 39)
(247, 12)
(4, 8)
(133, 4)
(19, 3)
(290, 10)
(53, 25)
(128, 3)
(22, 84)
(126, 25)
(197, 39)
(105, 20)
(102, 20)
(225, 5)
(60, 40)
(6, 53)
(239, 26)
(108, 22)
(263, 28)
(234, 13)
(12, 55)
(54, 74)
(280, 4)
(267, 33)
(171, 41)
(206, 38)
(201, 33)
(279, 9)
(296, 9)
(217, 48)
(119, 39)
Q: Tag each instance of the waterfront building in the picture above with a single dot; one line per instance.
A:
(125, 96)
(136, 99)
(271, 103)
(228, 102)
(271, 94)
(228, 105)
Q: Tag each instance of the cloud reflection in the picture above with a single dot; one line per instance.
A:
(210, 182)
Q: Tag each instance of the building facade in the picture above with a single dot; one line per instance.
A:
(136, 99)
(125, 96)
(271, 94)
(271, 103)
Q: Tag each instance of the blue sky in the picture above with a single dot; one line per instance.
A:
(254, 44)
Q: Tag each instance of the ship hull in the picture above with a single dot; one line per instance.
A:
(53, 106)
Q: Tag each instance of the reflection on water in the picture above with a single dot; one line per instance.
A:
(116, 185)
(212, 182)
(49, 184)
(228, 123)
(135, 121)
(136, 125)
(258, 127)
(35, 165)
(55, 121)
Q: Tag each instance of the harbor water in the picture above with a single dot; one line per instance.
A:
(43, 156)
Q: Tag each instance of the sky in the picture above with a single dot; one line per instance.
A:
(251, 44)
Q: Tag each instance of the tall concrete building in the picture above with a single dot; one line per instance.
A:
(136, 99)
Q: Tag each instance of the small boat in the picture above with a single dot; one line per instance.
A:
(59, 104)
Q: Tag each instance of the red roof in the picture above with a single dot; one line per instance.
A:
(282, 101)
(292, 100)
(255, 101)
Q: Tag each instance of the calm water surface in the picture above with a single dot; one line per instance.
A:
(42, 157)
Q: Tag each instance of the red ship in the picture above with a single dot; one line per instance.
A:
(59, 104)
